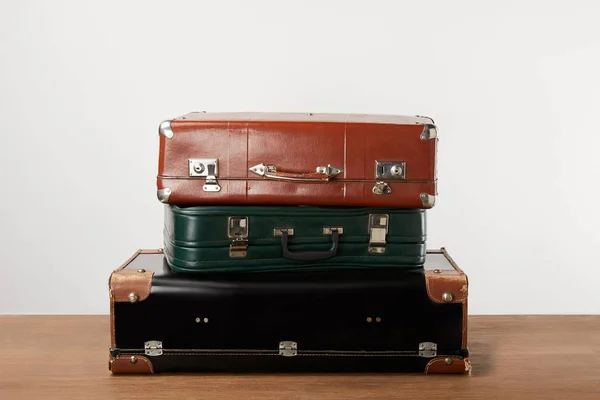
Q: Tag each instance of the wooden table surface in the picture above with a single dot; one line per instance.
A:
(513, 357)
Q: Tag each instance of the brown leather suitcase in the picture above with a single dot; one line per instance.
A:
(298, 159)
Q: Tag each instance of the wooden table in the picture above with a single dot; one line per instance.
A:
(513, 357)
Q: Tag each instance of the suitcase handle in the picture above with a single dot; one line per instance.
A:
(322, 174)
(309, 255)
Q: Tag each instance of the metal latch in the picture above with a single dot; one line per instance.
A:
(381, 188)
(378, 229)
(208, 167)
(153, 348)
(237, 230)
(428, 349)
(288, 349)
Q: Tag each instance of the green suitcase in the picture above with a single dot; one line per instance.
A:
(267, 238)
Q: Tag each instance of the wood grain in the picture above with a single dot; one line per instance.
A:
(514, 357)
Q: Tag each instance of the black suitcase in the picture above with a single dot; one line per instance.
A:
(362, 320)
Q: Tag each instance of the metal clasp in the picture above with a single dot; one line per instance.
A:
(153, 348)
(428, 349)
(378, 229)
(288, 348)
(208, 167)
(237, 230)
(382, 188)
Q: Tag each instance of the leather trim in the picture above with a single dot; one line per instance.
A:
(446, 282)
(115, 281)
(125, 282)
(458, 366)
(451, 281)
(123, 365)
(465, 302)
(157, 251)
(450, 259)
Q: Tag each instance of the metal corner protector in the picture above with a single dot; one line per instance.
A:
(163, 195)
(427, 200)
(429, 132)
(164, 129)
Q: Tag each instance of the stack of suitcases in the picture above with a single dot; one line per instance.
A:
(292, 242)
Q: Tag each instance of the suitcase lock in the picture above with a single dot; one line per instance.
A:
(390, 170)
(205, 167)
(378, 229)
(237, 231)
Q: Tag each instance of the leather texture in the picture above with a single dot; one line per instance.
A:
(196, 238)
(352, 320)
(128, 283)
(297, 144)
(442, 283)
(448, 365)
(126, 365)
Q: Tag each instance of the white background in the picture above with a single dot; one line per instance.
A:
(513, 87)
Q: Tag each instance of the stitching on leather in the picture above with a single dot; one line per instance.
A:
(143, 296)
(148, 363)
(430, 363)
(440, 360)
(429, 282)
(125, 363)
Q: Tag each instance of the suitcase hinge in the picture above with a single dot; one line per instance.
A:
(153, 348)
(378, 229)
(428, 349)
(207, 167)
(288, 349)
(237, 230)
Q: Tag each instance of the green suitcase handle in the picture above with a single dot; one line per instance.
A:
(309, 255)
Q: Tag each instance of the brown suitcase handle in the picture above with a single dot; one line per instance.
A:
(322, 174)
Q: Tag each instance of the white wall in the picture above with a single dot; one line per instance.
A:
(513, 86)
